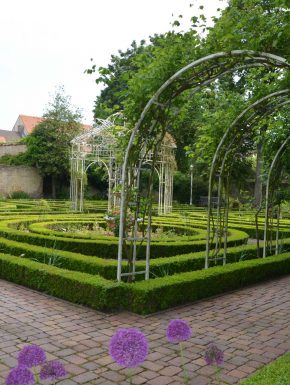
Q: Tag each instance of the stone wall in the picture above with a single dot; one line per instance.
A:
(20, 178)
(12, 149)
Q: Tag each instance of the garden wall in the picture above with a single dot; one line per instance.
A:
(20, 178)
(12, 149)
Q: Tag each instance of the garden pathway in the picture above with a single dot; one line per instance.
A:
(250, 325)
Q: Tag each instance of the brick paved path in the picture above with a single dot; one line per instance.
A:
(251, 326)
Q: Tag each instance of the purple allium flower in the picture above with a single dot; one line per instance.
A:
(52, 370)
(128, 347)
(178, 330)
(213, 355)
(31, 355)
(20, 376)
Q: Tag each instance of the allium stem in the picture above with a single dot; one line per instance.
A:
(185, 374)
(217, 375)
(36, 376)
(130, 377)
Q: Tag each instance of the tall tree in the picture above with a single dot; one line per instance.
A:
(48, 147)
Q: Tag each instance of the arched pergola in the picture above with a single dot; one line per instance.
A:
(232, 138)
(275, 160)
(151, 126)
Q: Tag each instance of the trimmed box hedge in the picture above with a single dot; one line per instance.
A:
(107, 268)
(90, 290)
(109, 248)
(162, 293)
(141, 297)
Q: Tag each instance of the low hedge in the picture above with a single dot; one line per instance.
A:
(107, 268)
(93, 291)
(62, 259)
(162, 293)
(141, 297)
(109, 248)
(47, 228)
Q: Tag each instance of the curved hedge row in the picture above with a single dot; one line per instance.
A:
(82, 268)
(106, 247)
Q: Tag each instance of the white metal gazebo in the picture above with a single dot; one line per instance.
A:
(101, 146)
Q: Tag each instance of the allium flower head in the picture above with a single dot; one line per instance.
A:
(31, 355)
(213, 355)
(128, 347)
(178, 330)
(52, 370)
(20, 376)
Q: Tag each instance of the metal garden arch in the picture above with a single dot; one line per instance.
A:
(233, 136)
(194, 76)
(277, 156)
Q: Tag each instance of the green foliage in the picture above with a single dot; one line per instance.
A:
(15, 160)
(162, 293)
(89, 290)
(275, 373)
(142, 297)
(260, 25)
(19, 195)
(48, 147)
(115, 78)
(197, 122)
(38, 259)
(106, 248)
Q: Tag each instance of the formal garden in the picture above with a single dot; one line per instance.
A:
(73, 255)
(178, 193)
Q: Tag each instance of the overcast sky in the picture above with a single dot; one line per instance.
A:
(47, 43)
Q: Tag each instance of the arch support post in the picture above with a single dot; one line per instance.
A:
(273, 164)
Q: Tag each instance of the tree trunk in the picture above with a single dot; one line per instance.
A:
(53, 187)
(258, 192)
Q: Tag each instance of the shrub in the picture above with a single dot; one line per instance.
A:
(143, 297)
(19, 195)
(163, 293)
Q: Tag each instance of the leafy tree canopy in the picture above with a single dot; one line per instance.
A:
(48, 146)
(198, 121)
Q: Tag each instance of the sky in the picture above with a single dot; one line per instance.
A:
(45, 44)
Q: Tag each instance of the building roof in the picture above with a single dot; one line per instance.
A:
(29, 122)
(9, 136)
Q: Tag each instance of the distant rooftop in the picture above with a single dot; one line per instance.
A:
(9, 136)
(29, 122)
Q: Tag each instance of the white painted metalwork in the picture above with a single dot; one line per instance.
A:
(97, 146)
(194, 76)
(278, 154)
(262, 107)
(100, 146)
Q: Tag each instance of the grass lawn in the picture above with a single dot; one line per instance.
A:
(276, 373)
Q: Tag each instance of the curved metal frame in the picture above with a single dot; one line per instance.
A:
(278, 154)
(266, 106)
(99, 145)
(194, 78)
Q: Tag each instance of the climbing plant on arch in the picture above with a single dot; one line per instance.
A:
(225, 151)
(154, 120)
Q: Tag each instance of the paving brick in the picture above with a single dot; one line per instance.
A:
(115, 377)
(170, 370)
(84, 378)
(249, 325)
(160, 380)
